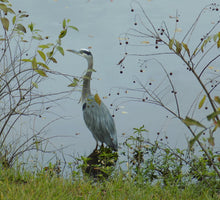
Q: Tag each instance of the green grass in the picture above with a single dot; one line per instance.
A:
(14, 185)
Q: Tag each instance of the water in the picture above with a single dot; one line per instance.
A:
(100, 24)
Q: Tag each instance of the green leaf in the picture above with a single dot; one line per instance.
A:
(26, 60)
(74, 28)
(6, 1)
(41, 72)
(43, 65)
(10, 11)
(74, 83)
(14, 20)
(171, 43)
(5, 23)
(23, 15)
(213, 115)
(218, 43)
(193, 140)
(64, 23)
(45, 46)
(20, 27)
(3, 7)
(34, 63)
(215, 37)
(38, 37)
(53, 59)
(185, 46)
(63, 33)
(211, 140)
(35, 84)
(205, 43)
(191, 122)
(60, 49)
(31, 26)
(42, 55)
(178, 47)
(195, 51)
(202, 101)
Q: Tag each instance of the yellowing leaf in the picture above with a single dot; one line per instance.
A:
(185, 46)
(43, 65)
(41, 72)
(20, 27)
(171, 43)
(53, 59)
(217, 99)
(178, 30)
(63, 33)
(3, 7)
(211, 140)
(205, 43)
(10, 10)
(218, 43)
(145, 42)
(210, 67)
(192, 122)
(5, 23)
(14, 20)
(178, 47)
(42, 55)
(194, 53)
(97, 99)
(122, 38)
(35, 84)
(202, 101)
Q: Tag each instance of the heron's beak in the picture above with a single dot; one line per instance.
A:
(74, 51)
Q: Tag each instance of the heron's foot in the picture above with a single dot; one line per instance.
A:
(96, 148)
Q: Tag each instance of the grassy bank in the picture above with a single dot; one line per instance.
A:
(14, 185)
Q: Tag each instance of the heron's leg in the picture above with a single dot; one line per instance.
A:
(97, 144)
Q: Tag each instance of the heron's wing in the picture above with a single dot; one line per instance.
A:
(100, 122)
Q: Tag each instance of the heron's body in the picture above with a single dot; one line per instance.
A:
(96, 115)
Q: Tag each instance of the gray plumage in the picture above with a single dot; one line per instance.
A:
(96, 115)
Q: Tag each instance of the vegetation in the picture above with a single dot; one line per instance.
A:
(197, 56)
(146, 169)
(25, 62)
(23, 185)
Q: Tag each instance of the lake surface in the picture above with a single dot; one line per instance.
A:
(101, 23)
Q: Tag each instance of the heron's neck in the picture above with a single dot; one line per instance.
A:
(86, 81)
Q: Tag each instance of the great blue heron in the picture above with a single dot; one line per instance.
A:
(95, 113)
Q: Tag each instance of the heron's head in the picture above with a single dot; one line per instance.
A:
(82, 52)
